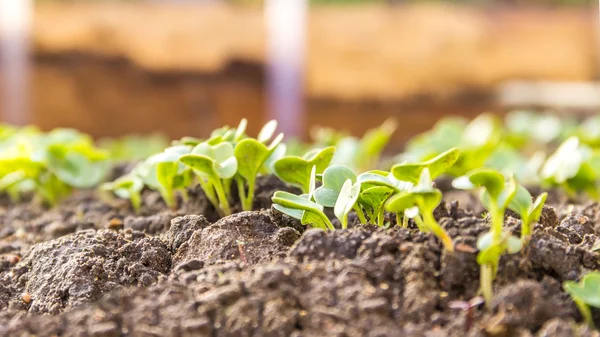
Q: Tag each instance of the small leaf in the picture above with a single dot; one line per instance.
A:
(290, 200)
(201, 164)
(292, 212)
(267, 131)
(316, 220)
(436, 166)
(587, 290)
(334, 178)
(239, 132)
(347, 199)
(535, 211)
(296, 170)
(521, 203)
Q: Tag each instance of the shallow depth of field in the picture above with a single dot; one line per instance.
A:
(299, 168)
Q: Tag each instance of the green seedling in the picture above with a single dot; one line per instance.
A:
(215, 166)
(130, 187)
(251, 156)
(574, 167)
(436, 166)
(496, 195)
(166, 174)
(296, 170)
(586, 293)
(524, 128)
(346, 201)
(302, 207)
(377, 187)
(426, 198)
(445, 134)
(529, 211)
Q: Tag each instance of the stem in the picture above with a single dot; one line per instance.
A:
(438, 231)
(345, 221)
(136, 201)
(210, 194)
(525, 227)
(250, 196)
(485, 280)
(380, 218)
(360, 214)
(241, 192)
(404, 221)
(497, 223)
(223, 202)
(585, 311)
(420, 224)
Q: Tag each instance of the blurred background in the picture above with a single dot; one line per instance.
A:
(187, 67)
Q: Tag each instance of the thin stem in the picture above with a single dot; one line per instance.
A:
(585, 311)
(360, 214)
(136, 200)
(405, 221)
(209, 191)
(485, 278)
(241, 192)
(223, 202)
(438, 231)
(345, 221)
(250, 196)
(380, 218)
(497, 223)
(525, 227)
(421, 224)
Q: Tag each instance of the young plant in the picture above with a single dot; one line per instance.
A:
(129, 186)
(296, 170)
(436, 166)
(574, 167)
(496, 195)
(302, 207)
(377, 187)
(165, 173)
(251, 156)
(215, 166)
(426, 198)
(586, 293)
(529, 211)
(339, 190)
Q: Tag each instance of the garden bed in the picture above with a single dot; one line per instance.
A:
(92, 268)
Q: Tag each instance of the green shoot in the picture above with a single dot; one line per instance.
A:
(215, 166)
(496, 195)
(529, 211)
(296, 170)
(436, 166)
(586, 293)
(346, 201)
(426, 198)
(129, 187)
(166, 174)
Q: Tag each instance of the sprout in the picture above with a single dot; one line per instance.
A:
(574, 167)
(251, 156)
(296, 170)
(585, 293)
(164, 172)
(496, 195)
(130, 187)
(436, 166)
(426, 198)
(346, 201)
(529, 211)
(215, 166)
(333, 194)
(302, 207)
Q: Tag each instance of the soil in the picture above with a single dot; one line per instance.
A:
(90, 267)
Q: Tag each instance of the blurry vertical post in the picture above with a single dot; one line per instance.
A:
(15, 25)
(286, 41)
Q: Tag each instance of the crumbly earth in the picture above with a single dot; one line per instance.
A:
(91, 267)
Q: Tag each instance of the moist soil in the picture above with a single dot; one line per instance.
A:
(91, 267)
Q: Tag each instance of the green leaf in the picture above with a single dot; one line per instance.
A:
(291, 200)
(492, 181)
(201, 164)
(521, 203)
(316, 220)
(535, 211)
(565, 162)
(251, 155)
(587, 290)
(436, 166)
(375, 196)
(347, 199)
(296, 170)
(267, 131)
(294, 213)
(334, 178)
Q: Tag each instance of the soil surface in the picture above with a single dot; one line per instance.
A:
(90, 267)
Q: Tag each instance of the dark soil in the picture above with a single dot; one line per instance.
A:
(93, 268)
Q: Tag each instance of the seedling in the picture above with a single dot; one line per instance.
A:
(529, 211)
(586, 293)
(296, 170)
(496, 194)
(302, 207)
(330, 193)
(130, 187)
(165, 173)
(426, 198)
(572, 166)
(215, 166)
(436, 166)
